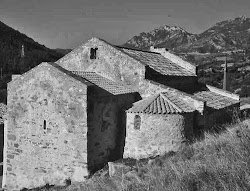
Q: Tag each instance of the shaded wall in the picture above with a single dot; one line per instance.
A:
(1, 146)
(46, 131)
(106, 126)
(221, 116)
(157, 134)
(213, 119)
(187, 84)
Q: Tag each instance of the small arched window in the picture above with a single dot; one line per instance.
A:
(137, 122)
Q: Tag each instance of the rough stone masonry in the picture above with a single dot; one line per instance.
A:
(46, 131)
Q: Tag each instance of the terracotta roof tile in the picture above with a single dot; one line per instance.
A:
(112, 87)
(157, 62)
(215, 100)
(163, 103)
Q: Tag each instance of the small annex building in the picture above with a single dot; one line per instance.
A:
(164, 122)
(99, 103)
(157, 125)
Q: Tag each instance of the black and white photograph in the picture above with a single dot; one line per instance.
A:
(124, 95)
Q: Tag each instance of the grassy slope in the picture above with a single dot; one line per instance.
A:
(219, 162)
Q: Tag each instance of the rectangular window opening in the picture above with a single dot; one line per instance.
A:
(93, 53)
(44, 124)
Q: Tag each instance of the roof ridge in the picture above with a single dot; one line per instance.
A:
(223, 92)
(147, 51)
(73, 50)
(83, 71)
(152, 100)
(168, 100)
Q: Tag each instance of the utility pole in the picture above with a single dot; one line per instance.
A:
(21, 65)
(22, 52)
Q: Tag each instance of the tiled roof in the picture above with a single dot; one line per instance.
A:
(112, 87)
(178, 101)
(215, 100)
(163, 103)
(157, 62)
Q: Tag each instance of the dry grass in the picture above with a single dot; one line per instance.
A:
(219, 162)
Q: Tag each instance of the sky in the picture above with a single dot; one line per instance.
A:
(69, 23)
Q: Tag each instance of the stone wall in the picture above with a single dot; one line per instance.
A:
(109, 62)
(221, 116)
(106, 126)
(1, 146)
(116, 65)
(212, 119)
(46, 129)
(149, 88)
(156, 134)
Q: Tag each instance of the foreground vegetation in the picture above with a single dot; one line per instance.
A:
(218, 162)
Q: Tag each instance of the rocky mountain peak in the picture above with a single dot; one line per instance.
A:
(226, 35)
(163, 36)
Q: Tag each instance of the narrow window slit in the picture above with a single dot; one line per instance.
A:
(137, 122)
(44, 124)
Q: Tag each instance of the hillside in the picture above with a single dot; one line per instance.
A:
(224, 36)
(227, 35)
(11, 42)
(62, 51)
(218, 162)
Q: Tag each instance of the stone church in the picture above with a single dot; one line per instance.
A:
(99, 103)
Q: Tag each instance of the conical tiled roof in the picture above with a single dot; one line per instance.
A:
(162, 103)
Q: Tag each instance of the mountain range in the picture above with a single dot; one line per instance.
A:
(233, 34)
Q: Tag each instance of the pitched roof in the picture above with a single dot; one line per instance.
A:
(162, 103)
(110, 86)
(215, 100)
(157, 62)
(154, 60)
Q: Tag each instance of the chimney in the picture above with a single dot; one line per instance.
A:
(15, 76)
(226, 82)
(158, 50)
